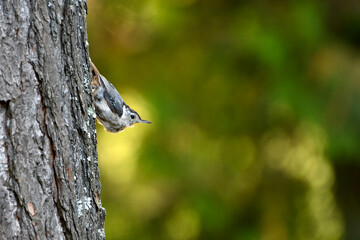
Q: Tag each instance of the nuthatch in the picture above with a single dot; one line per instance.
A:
(111, 110)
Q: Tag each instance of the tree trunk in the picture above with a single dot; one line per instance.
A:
(49, 176)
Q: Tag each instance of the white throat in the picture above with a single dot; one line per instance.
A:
(125, 117)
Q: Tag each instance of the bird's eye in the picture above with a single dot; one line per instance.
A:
(132, 116)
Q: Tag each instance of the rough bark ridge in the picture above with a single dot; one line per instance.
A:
(49, 177)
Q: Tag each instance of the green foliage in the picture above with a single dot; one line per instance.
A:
(254, 108)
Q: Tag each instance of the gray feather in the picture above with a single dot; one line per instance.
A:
(112, 97)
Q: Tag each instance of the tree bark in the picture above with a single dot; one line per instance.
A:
(49, 176)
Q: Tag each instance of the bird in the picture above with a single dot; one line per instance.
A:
(111, 110)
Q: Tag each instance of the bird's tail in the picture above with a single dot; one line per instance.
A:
(95, 76)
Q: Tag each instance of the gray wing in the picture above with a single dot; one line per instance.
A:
(112, 97)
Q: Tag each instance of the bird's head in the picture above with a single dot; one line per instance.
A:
(130, 117)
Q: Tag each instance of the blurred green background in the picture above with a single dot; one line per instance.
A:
(256, 118)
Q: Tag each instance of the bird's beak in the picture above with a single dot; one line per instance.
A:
(144, 121)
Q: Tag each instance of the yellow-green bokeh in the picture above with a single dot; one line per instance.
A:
(256, 118)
